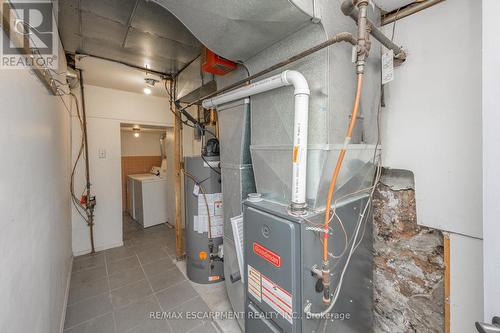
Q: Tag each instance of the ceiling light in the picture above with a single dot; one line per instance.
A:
(147, 91)
(136, 131)
(150, 82)
(136, 134)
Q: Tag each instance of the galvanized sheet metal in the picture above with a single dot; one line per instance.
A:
(238, 30)
(155, 36)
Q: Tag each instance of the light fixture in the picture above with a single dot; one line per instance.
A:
(136, 131)
(150, 83)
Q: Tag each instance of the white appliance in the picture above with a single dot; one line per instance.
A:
(147, 196)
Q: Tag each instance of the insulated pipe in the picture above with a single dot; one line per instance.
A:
(300, 126)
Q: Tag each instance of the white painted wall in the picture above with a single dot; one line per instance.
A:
(190, 147)
(466, 283)
(127, 107)
(106, 110)
(432, 126)
(35, 241)
(147, 144)
(432, 123)
(491, 159)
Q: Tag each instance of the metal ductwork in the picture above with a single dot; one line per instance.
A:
(247, 26)
(257, 133)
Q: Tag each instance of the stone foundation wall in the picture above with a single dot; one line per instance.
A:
(408, 266)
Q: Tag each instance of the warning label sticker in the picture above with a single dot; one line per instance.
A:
(277, 298)
(265, 290)
(254, 283)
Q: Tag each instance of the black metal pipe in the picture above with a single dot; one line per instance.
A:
(144, 69)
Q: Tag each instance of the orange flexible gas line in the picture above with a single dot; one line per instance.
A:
(333, 181)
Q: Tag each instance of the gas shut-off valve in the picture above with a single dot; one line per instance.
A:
(322, 279)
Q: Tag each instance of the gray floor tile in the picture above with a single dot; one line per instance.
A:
(152, 326)
(156, 229)
(186, 324)
(136, 314)
(88, 275)
(176, 295)
(151, 255)
(118, 253)
(131, 293)
(81, 290)
(131, 235)
(150, 243)
(164, 280)
(205, 327)
(123, 265)
(170, 250)
(160, 266)
(87, 309)
(103, 324)
(87, 256)
(127, 277)
(88, 262)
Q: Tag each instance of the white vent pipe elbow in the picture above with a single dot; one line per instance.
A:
(300, 127)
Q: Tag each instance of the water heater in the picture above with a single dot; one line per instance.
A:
(204, 219)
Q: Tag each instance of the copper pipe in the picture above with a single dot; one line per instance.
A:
(340, 159)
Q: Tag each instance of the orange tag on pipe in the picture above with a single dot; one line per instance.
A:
(295, 154)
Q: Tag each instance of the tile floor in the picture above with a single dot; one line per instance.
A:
(115, 291)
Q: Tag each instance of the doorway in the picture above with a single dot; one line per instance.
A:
(145, 188)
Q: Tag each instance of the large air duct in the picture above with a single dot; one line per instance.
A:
(258, 136)
(300, 130)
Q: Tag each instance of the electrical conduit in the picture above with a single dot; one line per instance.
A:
(300, 127)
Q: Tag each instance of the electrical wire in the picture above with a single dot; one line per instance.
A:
(178, 115)
(336, 294)
(211, 167)
(340, 159)
(394, 25)
(76, 202)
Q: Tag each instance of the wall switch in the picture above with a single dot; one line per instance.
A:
(102, 153)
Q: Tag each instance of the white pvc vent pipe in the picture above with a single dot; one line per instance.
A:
(301, 92)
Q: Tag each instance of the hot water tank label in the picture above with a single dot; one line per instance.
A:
(210, 204)
(254, 283)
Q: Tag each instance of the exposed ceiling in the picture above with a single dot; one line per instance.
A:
(109, 74)
(136, 32)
